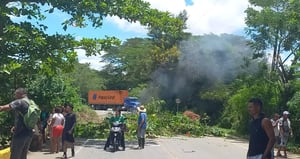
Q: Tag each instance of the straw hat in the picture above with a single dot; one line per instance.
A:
(141, 109)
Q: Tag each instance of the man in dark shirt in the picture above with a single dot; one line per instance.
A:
(262, 136)
(22, 135)
(68, 138)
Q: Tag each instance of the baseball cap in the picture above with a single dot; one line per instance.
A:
(285, 113)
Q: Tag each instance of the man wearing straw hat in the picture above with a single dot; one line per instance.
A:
(142, 125)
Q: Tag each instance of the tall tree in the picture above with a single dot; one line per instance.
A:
(84, 78)
(129, 64)
(166, 39)
(274, 25)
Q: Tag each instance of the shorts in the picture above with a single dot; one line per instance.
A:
(57, 131)
(255, 157)
(278, 140)
(284, 140)
(68, 137)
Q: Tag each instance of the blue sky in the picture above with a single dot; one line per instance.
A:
(205, 17)
(54, 21)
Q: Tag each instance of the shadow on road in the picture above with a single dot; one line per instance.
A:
(99, 144)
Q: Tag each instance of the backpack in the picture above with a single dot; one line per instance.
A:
(33, 114)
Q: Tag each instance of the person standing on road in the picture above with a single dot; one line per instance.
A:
(262, 136)
(22, 136)
(285, 132)
(57, 125)
(275, 124)
(49, 128)
(142, 125)
(68, 137)
(44, 117)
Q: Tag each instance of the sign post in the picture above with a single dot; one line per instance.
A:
(178, 101)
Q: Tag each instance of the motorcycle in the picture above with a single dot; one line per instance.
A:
(116, 135)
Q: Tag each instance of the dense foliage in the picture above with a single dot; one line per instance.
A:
(161, 124)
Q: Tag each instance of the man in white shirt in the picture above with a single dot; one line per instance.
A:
(275, 124)
(285, 132)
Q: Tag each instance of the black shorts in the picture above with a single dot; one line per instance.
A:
(68, 137)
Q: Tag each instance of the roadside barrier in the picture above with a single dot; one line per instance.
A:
(5, 153)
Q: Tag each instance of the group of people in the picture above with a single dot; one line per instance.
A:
(60, 123)
(61, 126)
(282, 131)
(265, 134)
(141, 128)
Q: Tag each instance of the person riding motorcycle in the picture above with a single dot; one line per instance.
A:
(120, 119)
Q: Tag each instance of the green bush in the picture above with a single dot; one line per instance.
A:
(294, 108)
(236, 114)
(155, 106)
(162, 124)
(168, 124)
(92, 130)
(6, 122)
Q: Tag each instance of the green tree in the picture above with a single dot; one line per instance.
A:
(49, 92)
(129, 64)
(166, 39)
(85, 79)
(259, 85)
(274, 25)
(294, 105)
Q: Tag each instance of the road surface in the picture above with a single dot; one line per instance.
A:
(162, 148)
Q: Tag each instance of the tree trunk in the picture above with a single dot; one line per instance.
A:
(275, 54)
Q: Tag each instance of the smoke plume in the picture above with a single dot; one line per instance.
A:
(204, 61)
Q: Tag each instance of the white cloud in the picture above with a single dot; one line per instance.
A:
(204, 16)
(173, 6)
(216, 16)
(127, 26)
(94, 61)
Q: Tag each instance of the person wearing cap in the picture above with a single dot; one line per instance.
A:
(285, 132)
(262, 136)
(142, 125)
(68, 137)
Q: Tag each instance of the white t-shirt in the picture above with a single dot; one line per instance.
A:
(59, 118)
(275, 125)
(285, 125)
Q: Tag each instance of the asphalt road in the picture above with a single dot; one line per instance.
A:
(162, 148)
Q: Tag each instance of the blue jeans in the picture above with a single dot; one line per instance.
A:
(19, 147)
